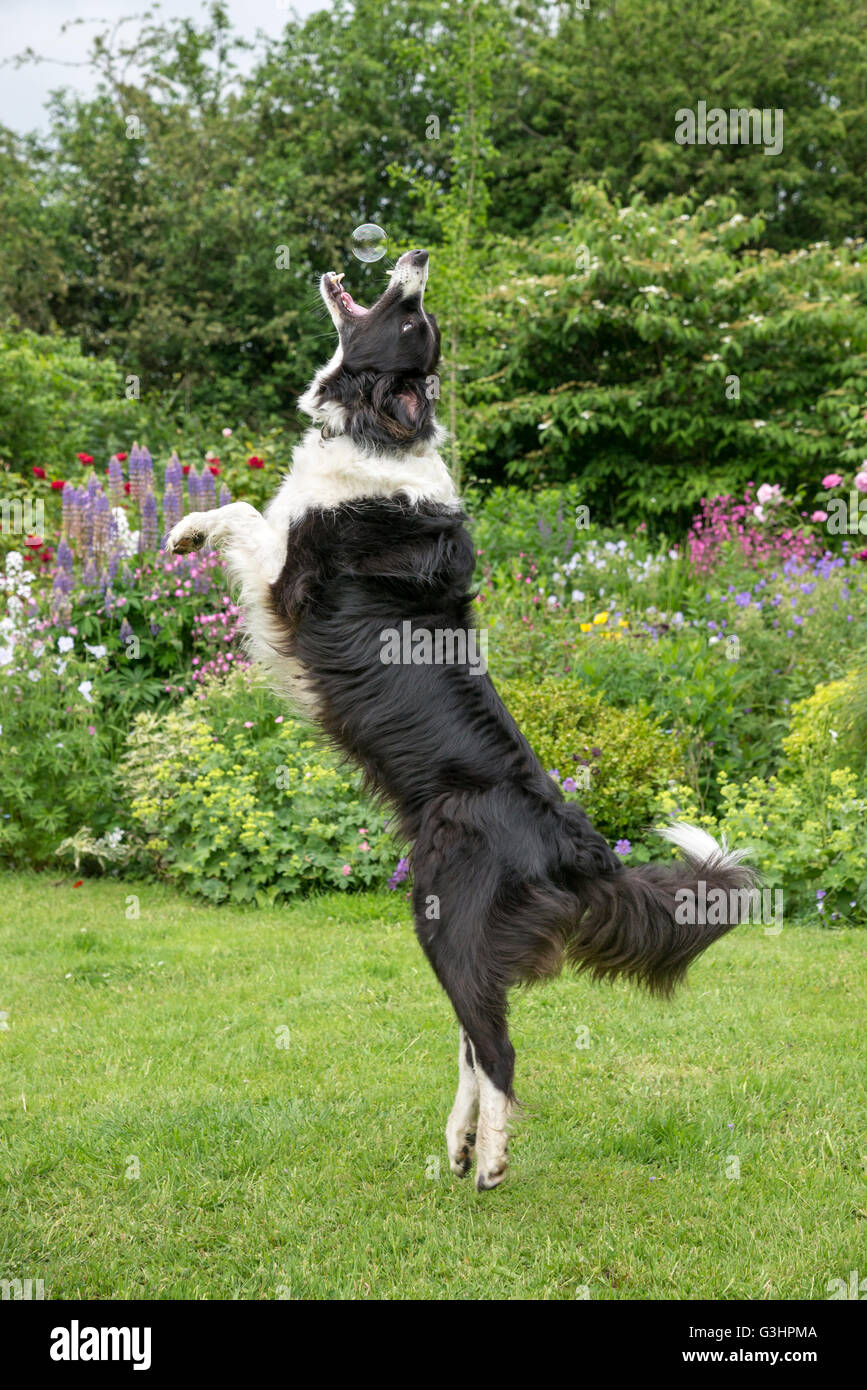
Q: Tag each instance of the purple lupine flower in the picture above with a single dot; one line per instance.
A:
(146, 472)
(207, 491)
(125, 632)
(174, 472)
(64, 555)
(101, 523)
(193, 489)
(115, 481)
(172, 505)
(225, 495)
(91, 574)
(134, 469)
(149, 532)
(67, 502)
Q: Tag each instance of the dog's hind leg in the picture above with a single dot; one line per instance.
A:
(495, 1067)
(461, 1128)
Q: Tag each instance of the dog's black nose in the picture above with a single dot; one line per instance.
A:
(419, 257)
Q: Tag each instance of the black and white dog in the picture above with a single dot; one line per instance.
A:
(364, 537)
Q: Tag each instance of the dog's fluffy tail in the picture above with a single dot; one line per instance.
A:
(649, 922)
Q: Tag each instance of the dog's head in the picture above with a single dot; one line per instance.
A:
(380, 387)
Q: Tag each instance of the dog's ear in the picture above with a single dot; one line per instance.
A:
(397, 410)
(412, 406)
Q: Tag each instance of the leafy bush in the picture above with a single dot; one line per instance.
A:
(56, 769)
(649, 351)
(54, 401)
(615, 762)
(239, 803)
(811, 848)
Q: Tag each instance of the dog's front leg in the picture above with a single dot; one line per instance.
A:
(237, 525)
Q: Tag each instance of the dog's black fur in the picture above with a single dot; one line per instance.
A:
(522, 878)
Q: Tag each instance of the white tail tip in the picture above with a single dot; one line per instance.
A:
(700, 848)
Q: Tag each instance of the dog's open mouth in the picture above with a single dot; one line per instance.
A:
(341, 297)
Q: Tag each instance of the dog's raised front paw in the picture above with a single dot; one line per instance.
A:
(188, 535)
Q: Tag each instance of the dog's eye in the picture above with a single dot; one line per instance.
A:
(407, 326)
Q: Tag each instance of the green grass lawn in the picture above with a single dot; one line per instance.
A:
(280, 1083)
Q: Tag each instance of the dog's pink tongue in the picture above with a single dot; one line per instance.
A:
(350, 304)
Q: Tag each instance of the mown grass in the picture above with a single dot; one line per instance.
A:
(317, 1169)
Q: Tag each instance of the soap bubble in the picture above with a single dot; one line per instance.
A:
(369, 242)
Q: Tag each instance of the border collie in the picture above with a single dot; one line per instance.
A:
(365, 537)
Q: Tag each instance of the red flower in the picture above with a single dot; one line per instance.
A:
(78, 884)
(185, 468)
(84, 458)
(120, 457)
(39, 472)
(862, 555)
(213, 468)
(58, 484)
(255, 462)
(126, 487)
(33, 542)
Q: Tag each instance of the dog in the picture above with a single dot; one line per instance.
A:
(366, 536)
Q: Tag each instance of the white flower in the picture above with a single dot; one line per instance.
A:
(759, 424)
(577, 596)
(586, 414)
(6, 654)
(34, 676)
(651, 289)
(99, 651)
(65, 644)
(84, 689)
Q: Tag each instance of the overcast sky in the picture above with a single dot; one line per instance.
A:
(37, 24)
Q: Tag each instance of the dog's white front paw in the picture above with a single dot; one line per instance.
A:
(189, 534)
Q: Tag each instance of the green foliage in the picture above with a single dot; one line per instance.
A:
(56, 402)
(811, 847)
(619, 759)
(238, 804)
(57, 769)
(829, 728)
(593, 91)
(650, 352)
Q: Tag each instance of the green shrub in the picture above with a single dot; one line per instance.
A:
(620, 759)
(811, 849)
(56, 769)
(829, 728)
(236, 801)
(55, 403)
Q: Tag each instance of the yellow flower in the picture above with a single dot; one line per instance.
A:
(586, 627)
(600, 618)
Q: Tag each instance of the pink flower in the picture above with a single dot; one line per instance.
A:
(861, 481)
(819, 515)
(226, 432)
(346, 870)
(364, 847)
(832, 480)
(769, 492)
(248, 723)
